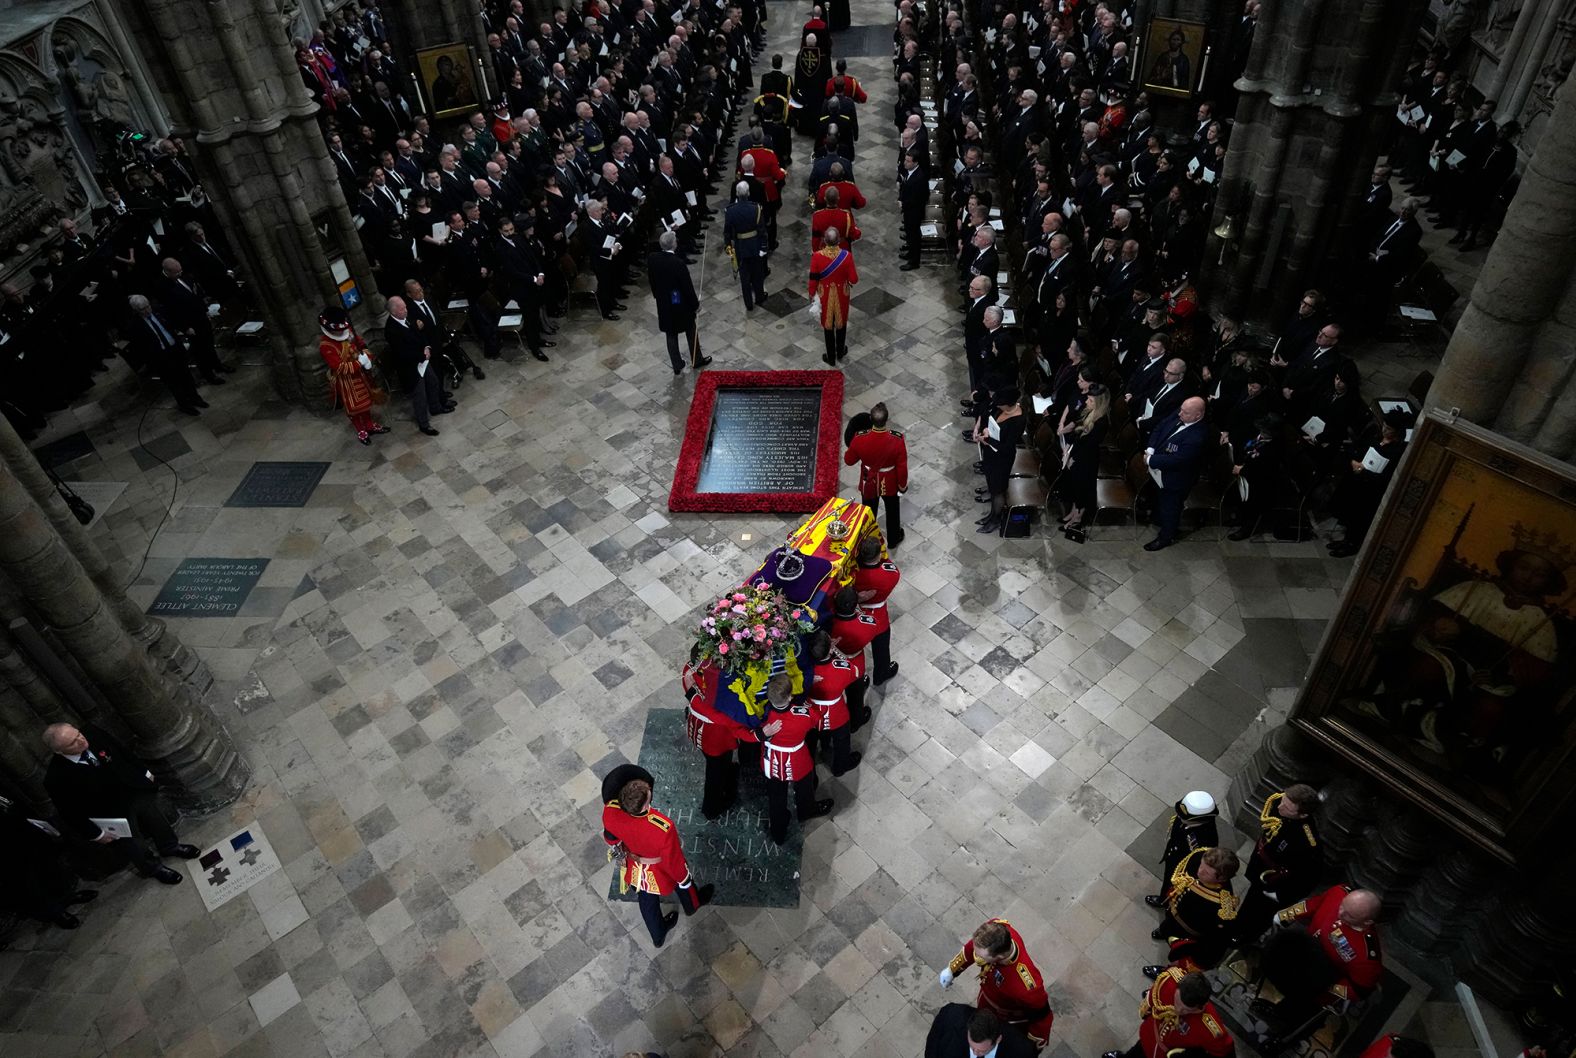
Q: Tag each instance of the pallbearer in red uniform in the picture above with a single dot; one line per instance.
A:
(1011, 986)
(882, 455)
(716, 735)
(833, 215)
(852, 629)
(785, 759)
(874, 581)
(648, 842)
(830, 683)
(1341, 926)
(1178, 1020)
(349, 385)
(832, 276)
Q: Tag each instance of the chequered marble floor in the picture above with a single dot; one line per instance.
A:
(458, 635)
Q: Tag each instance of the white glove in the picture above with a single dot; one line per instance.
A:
(365, 361)
(1275, 920)
(945, 979)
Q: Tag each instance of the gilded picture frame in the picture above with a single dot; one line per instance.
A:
(448, 80)
(1173, 59)
(1449, 674)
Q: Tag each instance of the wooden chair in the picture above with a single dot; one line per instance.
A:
(1024, 494)
(1209, 495)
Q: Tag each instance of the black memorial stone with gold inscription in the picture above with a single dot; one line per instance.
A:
(762, 440)
(208, 587)
(732, 852)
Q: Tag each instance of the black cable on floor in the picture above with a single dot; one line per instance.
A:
(170, 506)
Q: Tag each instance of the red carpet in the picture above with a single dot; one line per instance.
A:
(692, 457)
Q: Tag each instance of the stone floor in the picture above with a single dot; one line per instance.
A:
(458, 635)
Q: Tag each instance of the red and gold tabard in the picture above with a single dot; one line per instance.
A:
(832, 274)
(348, 384)
(652, 836)
(784, 756)
(882, 456)
(1353, 953)
(1014, 990)
(1166, 1030)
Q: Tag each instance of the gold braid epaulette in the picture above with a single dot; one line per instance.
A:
(1269, 818)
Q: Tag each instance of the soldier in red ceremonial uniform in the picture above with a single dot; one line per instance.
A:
(716, 735)
(852, 629)
(1340, 925)
(1201, 910)
(1011, 986)
(1286, 859)
(833, 216)
(832, 275)
(648, 841)
(758, 164)
(785, 760)
(830, 685)
(882, 455)
(1179, 1021)
(874, 581)
(848, 194)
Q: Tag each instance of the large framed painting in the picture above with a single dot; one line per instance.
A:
(448, 77)
(1449, 674)
(1173, 58)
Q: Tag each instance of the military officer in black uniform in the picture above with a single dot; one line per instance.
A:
(744, 236)
(1192, 828)
(1286, 861)
(1201, 910)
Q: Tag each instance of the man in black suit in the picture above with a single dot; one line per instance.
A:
(913, 195)
(1309, 377)
(37, 882)
(524, 279)
(91, 776)
(152, 344)
(960, 1030)
(424, 315)
(1175, 457)
(186, 306)
(674, 293)
(974, 328)
(1147, 375)
(1165, 399)
(411, 349)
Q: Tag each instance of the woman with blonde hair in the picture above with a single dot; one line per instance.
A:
(1081, 441)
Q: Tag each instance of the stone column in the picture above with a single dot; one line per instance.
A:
(1512, 51)
(1318, 86)
(1508, 365)
(183, 742)
(1518, 943)
(227, 76)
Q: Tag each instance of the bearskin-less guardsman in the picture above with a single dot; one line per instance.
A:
(716, 735)
(1178, 1020)
(349, 384)
(648, 842)
(830, 683)
(1201, 910)
(882, 455)
(1192, 828)
(874, 582)
(832, 277)
(852, 628)
(833, 215)
(786, 760)
(1286, 859)
(1011, 986)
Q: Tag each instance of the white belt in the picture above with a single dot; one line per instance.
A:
(697, 716)
(775, 748)
(883, 470)
(873, 605)
(825, 701)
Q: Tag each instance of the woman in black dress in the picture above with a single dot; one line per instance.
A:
(1081, 441)
(1058, 328)
(999, 453)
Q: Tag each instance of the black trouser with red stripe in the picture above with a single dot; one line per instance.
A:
(651, 909)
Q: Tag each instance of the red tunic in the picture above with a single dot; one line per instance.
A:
(829, 692)
(784, 755)
(851, 88)
(874, 584)
(1380, 1048)
(1354, 955)
(713, 732)
(848, 194)
(838, 218)
(883, 458)
(767, 171)
(832, 284)
(853, 634)
(650, 835)
(1014, 991)
(1164, 1030)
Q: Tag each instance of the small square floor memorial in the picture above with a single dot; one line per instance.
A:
(277, 484)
